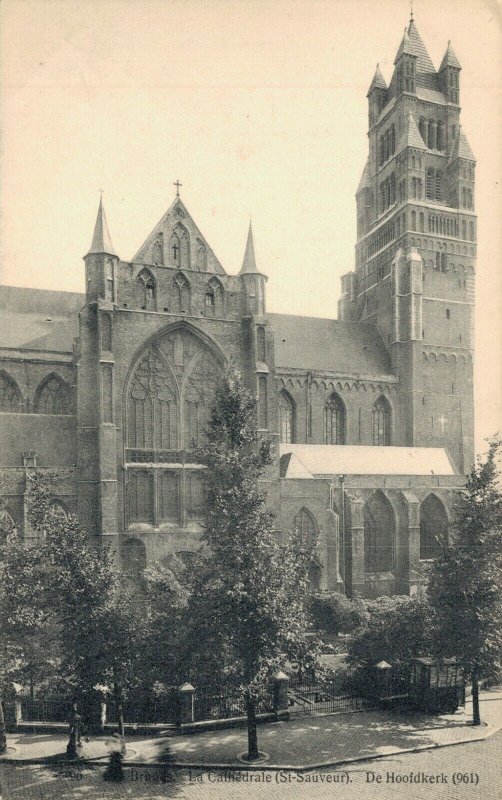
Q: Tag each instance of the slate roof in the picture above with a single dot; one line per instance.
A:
(378, 81)
(450, 59)
(405, 47)
(411, 136)
(327, 459)
(426, 76)
(39, 319)
(462, 148)
(365, 177)
(328, 345)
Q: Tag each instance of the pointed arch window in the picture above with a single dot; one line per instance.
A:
(201, 256)
(53, 396)
(307, 528)
(381, 422)
(334, 420)
(422, 129)
(286, 418)
(146, 291)
(10, 396)
(261, 344)
(158, 250)
(429, 184)
(179, 247)
(109, 279)
(379, 534)
(433, 527)
(214, 299)
(181, 294)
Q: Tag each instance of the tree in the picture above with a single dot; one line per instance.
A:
(397, 629)
(254, 587)
(99, 623)
(28, 650)
(465, 586)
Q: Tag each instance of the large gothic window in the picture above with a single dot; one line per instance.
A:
(381, 422)
(286, 417)
(53, 396)
(334, 420)
(10, 396)
(433, 527)
(152, 405)
(379, 533)
(170, 393)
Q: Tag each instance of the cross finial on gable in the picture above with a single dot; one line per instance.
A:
(177, 184)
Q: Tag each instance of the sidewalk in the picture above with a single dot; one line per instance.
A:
(300, 743)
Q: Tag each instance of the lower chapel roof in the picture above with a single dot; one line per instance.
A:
(37, 319)
(303, 461)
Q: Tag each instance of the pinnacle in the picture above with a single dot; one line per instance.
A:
(101, 240)
(249, 262)
(378, 81)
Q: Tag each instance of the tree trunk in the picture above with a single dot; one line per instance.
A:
(252, 729)
(3, 731)
(71, 747)
(120, 710)
(476, 718)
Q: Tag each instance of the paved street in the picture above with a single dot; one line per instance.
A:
(310, 740)
(482, 759)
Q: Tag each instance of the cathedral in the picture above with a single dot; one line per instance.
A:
(371, 414)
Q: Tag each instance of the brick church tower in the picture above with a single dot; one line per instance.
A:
(416, 246)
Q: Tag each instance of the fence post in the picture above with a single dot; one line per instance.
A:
(280, 689)
(186, 693)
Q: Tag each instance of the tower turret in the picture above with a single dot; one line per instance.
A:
(405, 63)
(253, 280)
(101, 262)
(449, 76)
(377, 96)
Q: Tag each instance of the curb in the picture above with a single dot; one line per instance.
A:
(99, 761)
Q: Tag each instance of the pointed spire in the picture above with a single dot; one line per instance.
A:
(378, 81)
(450, 59)
(101, 241)
(249, 262)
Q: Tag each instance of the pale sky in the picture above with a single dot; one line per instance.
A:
(258, 107)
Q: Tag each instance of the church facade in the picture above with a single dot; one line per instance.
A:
(109, 391)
